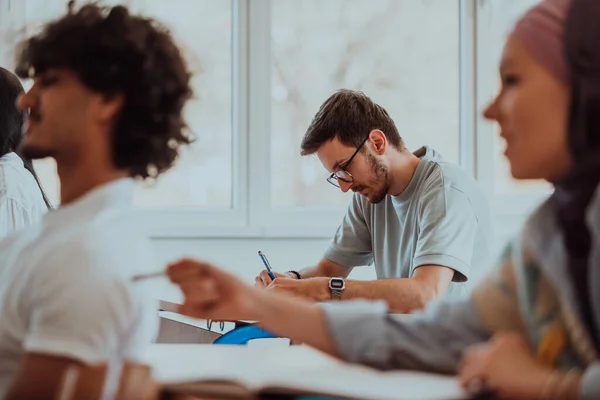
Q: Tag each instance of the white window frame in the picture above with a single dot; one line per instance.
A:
(256, 217)
(507, 208)
(251, 214)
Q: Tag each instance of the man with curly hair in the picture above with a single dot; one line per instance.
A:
(106, 103)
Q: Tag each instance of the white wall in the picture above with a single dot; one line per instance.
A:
(239, 255)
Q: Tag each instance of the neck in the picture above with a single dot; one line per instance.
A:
(401, 171)
(78, 178)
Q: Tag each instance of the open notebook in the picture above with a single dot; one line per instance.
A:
(297, 370)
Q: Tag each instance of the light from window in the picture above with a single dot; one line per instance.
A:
(504, 14)
(203, 174)
(403, 54)
(203, 28)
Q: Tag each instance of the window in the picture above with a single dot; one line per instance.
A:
(18, 19)
(402, 53)
(203, 176)
(263, 68)
(497, 19)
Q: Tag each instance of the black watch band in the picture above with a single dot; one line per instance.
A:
(295, 273)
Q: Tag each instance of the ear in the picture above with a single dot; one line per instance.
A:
(108, 107)
(378, 141)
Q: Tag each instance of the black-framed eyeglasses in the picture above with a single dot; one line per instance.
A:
(342, 174)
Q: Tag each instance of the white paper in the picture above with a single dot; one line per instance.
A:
(297, 368)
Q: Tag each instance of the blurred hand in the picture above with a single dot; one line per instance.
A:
(315, 289)
(263, 280)
(211, 293)
(504, 365)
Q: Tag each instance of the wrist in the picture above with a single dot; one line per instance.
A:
(257, 304)
(336, 287)
(293, 274)
(561, 385)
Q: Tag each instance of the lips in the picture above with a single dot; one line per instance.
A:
(506, 139)
(29, 126)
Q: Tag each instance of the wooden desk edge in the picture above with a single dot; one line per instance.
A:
(165, 305)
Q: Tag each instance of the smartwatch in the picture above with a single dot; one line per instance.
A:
(336, 287)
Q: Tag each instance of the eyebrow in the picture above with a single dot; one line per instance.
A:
(339, 164)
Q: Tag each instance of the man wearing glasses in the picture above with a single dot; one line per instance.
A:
(423, 222)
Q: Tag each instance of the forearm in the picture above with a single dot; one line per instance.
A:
(434, 340)
(295, 318)
(312, 272)
(325, 268)
(401, 295)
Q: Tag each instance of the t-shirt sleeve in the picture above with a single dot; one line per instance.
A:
(351, 245)
(79, 312)
(447, 231)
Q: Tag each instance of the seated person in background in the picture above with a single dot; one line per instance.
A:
(22, 200)
(531, 330)
(422, 221)
(106, 103)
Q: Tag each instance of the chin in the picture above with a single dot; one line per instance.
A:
(376, 199)
(523, 173)
(33, 152)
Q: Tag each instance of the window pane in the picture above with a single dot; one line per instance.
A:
(23, 19)
(504, 14)
(401, 53)
(203, 29)
(203, 174)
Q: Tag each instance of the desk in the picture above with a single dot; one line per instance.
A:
(239, 372)
(178, 328)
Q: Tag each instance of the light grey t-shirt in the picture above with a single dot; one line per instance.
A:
(441, 218)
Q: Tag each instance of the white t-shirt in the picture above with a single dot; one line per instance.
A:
(66, 289)
(21, 202)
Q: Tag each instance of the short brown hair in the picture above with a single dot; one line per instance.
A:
(349, 115)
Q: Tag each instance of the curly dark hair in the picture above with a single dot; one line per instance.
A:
(115, 53)
(348, 115)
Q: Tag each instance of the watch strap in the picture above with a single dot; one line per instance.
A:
(336, 294)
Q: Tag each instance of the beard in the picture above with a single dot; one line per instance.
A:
(31, 152)
(378, 182)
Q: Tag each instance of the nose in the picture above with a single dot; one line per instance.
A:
(24, 101)
(345, 186)
(490, 112)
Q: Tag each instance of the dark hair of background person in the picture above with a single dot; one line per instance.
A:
(11, 122)
(348, 115)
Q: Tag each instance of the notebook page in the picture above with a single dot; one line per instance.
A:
(297, 369)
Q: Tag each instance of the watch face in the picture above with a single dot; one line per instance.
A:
(336, 283)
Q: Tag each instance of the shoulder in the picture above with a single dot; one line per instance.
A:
(444, 174)
(4, 179)
(442, 179)
(18, 185)
(107, 249)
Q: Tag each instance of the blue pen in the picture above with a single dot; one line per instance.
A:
(267, 265)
